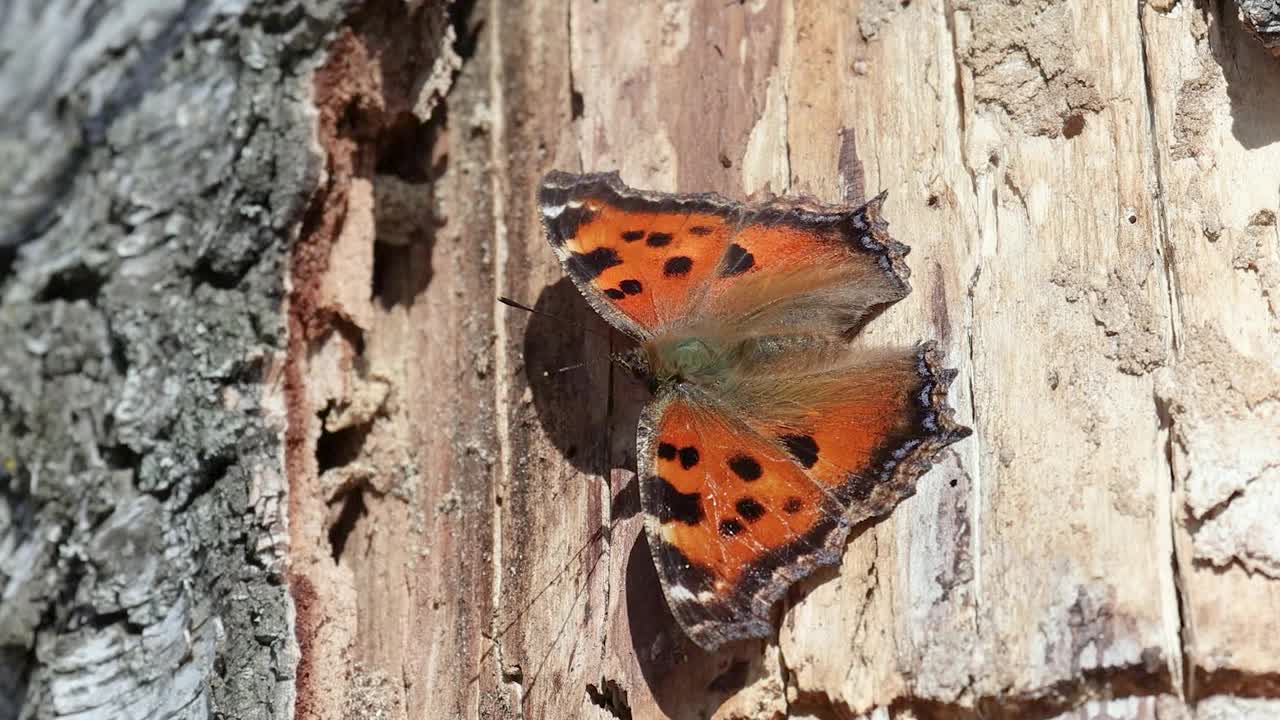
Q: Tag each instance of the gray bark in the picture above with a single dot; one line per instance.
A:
(1262, 17)
(155, 155)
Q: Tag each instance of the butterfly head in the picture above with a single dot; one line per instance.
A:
(636, 362)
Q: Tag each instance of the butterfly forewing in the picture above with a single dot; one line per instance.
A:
(636, 257)
(792, 268)
(650, 262)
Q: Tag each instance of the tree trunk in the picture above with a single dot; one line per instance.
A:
(271, 448)
(156, 155)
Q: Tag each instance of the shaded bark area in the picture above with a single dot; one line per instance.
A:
(389, 377)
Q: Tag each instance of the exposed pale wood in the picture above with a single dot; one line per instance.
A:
(1027, 162)
(1032, 154)
(1218, 130)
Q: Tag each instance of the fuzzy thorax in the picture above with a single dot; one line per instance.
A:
(686, 359)
(720, 363)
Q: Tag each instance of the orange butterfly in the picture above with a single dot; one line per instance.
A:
(768, 436)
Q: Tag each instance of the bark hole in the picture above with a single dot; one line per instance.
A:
(610, 696)
(1073, 126)
(400, 273)
(402, 147)
(78, 282)
(341, 447)
(411, 157)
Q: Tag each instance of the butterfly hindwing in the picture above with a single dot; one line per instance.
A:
(740, 508)
(725, 511)
(873, 425)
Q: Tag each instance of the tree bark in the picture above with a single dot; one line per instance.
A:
(271, 448)
(156, 155)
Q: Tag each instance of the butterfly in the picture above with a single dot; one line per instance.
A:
(768, 436)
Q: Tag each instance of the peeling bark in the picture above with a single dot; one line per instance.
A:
(271, 448)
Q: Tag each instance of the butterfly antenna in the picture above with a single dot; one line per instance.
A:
(521, 306)
(566, 368)
(630, 360)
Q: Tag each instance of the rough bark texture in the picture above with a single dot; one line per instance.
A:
(1262, 17)
(272, 449)
(156, 158)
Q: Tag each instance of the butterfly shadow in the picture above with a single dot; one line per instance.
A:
(685, 680)
(583, 405)
(589, 414)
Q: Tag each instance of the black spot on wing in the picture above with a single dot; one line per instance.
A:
(802, 448)
(658, 239)
(683, 571)
(688, 457)
(749, 509)
(632, 235)
(614, 294)
(630, 287)
(745, 467)
(666, 451)
(566, 226)
(730, 527)
(678, 265)
(701, 230)
(672, 505)
(588, 266)
(736, 261)
(792, 505)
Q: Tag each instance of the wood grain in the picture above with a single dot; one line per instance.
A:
(1037, 162)
(1090, 191)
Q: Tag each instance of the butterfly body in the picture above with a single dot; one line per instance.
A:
(689, 359)
(770, 434)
